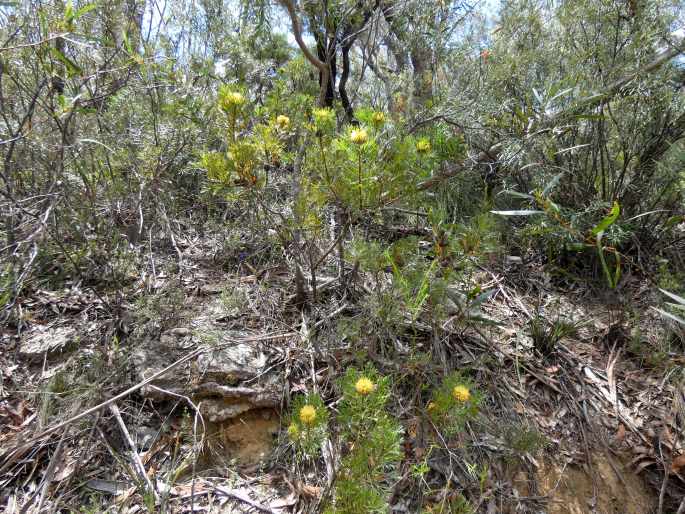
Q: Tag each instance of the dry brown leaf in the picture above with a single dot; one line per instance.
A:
(187, 489)
(65, 468)
(642, 450)
(678, 463)
(310, 491)
(412, 428)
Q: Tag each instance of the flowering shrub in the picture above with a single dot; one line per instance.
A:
(370, 436)
(454, 403)
(373, 438)
(308, 427)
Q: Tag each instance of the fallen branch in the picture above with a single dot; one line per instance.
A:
(243, 498)
(138, 464)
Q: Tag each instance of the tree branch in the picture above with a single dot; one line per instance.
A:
(297, 32)
(678, 47)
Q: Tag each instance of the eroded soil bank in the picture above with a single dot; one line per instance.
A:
(579, 432)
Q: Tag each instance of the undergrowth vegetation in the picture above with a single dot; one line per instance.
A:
(386, 183)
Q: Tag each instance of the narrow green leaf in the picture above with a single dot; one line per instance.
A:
(576, 247)
(516, 194)
(73, 69)
(608, 220)
(571, 148)
(674, 297)
(593, 117)
(670, 316)
(560, 94)
(673, 220)
(538, 97)
(84, 10)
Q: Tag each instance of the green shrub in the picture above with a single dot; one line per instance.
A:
(547, 334)
(373, 439)
(308, 424)
(454, 403)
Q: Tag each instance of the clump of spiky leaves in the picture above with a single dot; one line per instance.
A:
(548, 334)
(480, 236)
(373, 437)
(454, 403)
(366, 166)
(522, 439)
(308, 424)
(249, 154)
(674, 313)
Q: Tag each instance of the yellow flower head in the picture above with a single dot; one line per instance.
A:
(378, 118)
(430, 406)
(364, 386)
(359, 136)
(232, 99)
(308, 414)
(423, 146)
(461, 393)
(323, 118)
(282, 121)
(293, 431)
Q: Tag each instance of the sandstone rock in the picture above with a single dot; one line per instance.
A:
(227, 381)
(47, 340)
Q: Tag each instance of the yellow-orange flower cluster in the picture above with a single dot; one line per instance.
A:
(308, 414)
(423, 146)
(324, 119)
(359, 136)
(282, 121)
(378, 118)
(461, 393)
(364, 386)
(232, 99)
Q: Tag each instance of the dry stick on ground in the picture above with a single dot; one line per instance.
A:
(196, 446)
(681, 509)
(137, 463)
(8, 457)
(243, 498)
(50, 472)
(162, 210)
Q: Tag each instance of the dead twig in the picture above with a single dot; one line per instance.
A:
(137, 463)
(681, 508)
(243, 498)
(196, 446)
(50, 472)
